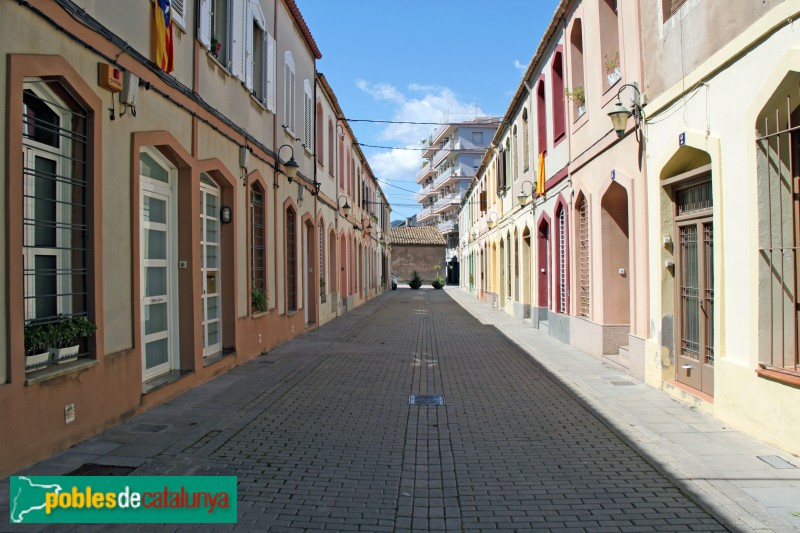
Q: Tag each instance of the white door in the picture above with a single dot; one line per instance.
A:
(209, 270)
(305, 273)
(156, 244)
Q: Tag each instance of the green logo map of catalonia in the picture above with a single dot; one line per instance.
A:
(28, 498)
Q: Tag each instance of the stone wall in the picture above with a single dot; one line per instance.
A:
(406, 258)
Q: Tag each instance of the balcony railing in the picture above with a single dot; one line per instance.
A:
(447, 201)
(448, 226)
(423, 173)
(424, 192)
(425, 214)
(453, 144)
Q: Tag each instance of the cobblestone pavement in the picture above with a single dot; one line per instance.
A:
(322, 437)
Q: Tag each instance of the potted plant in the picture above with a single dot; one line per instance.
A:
(37, 347)
(216, 47)
(258, 299)
(612, 67)
(66, 337)
(578, 96)
(416, 281)
(438, 282)
(322, 295)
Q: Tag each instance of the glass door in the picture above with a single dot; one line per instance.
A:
(156, 283)
(209, 270)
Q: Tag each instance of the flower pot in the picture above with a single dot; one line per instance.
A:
(581, 110)
(614, 76)
(65, 355)
(36, 361)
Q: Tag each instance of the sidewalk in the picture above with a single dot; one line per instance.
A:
(722, 468)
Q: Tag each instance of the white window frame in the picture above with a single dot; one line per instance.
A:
(289, 96)
(255, 17)
(308, 117)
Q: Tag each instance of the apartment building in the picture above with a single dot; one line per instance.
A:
(168, 181)
(450, 160)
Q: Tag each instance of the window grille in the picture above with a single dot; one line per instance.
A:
(55, 196)
(584, 273)
(689, 291)
(694, 198)
(321, 251)
(778, 153)
(562, 262)
(257, 234)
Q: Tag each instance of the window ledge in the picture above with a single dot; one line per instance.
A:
(786, 377)
(217, 357)
(159, 382)
(216, 61)
(56, 371)
(254, 100)
(259, 314)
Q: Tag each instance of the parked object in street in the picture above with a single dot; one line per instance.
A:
(394, 282)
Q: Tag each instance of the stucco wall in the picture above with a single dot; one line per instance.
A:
(407, 258)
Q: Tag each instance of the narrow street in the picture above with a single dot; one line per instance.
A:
(321, 435)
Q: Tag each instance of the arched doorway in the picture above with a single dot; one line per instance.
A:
(527, 265)
(543, 268)
(310, 276)
(614, 238)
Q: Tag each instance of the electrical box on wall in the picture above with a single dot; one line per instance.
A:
(244, 156)
(109, 77)
(130, 89)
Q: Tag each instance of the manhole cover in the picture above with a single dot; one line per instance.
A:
(623, 383)
(423, 399)
(91, 469)
(148, 428)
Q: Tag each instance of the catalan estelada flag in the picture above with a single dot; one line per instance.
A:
(540, 176)
(162, 11)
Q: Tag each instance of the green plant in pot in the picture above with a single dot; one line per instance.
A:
(66, 337)
(416, 281)
(438, 283)
(258, 299)
(322, 293)
(37, 347)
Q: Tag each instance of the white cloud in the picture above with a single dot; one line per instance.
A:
(522, 67)
(429, 103)
(381, 91)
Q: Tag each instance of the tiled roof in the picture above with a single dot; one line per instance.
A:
(301, 22)
(416, 235)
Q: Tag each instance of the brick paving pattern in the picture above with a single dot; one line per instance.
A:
(321, 436)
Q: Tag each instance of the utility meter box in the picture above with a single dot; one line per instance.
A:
(130, 89)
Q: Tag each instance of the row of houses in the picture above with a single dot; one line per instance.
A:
(665, 244)
(178, 175)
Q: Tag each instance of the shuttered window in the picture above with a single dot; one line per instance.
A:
(308, 117)
(256, 52)
(178, 11)
(670, 7)
(291, 259)
(289, 97)
(562, 261)
(584, 276)
(257, 239)
(271, 73)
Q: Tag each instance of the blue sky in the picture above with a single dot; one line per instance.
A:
(421, 61)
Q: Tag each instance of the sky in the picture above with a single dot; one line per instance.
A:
(421, 61)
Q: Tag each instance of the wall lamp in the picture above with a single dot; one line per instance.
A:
(345, 207)
(492, 219)
(522, 197)
(290, 167)
(619, 115)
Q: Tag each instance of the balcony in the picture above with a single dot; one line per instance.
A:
(449, 146)
(448, 201)
(448, 226)
(428, 189)
(452, 174)
(425, 214)
(423, 173)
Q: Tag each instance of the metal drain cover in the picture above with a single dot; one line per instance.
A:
(424, 399)
(623, 383)
(148, 428)
(91, 469)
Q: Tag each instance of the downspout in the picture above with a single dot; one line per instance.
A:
(316, 196)
(275, 150)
